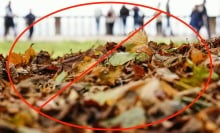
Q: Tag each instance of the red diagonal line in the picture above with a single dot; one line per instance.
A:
(100, 60)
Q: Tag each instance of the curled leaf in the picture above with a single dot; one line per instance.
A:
(139, 39)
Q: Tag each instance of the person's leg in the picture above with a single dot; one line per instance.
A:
(136, 24)
(30, 33)
(160, 28)
(6, 30)
(15, 31)
(208, 27)
(157, 28)
(134, 21)
(169, 26)
(168, 22)
(141, 23)
(124, 25)
(97, 25)
(111, 28)
(197, 28)
(6, 26)
(12, 24)
(107, 29)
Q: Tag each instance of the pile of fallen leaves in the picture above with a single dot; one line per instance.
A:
(141, 82)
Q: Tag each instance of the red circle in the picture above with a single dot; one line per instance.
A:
(112, 129)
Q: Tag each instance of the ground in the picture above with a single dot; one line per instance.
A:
(58, 48)
(141, 82)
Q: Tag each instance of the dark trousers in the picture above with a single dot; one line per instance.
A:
(124, 22)
(109, 28)
(97, 19)
(31, 30)
(9, 23)
(159, 28)
(136, 22)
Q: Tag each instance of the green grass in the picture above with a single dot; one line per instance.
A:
(56, 48)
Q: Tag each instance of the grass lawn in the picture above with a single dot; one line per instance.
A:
(56, 48)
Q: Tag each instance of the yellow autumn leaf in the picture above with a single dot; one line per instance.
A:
(16, 59)
(22, 119)
(30, 52)
(110, 76)
(97, 71)
(106, 76)
(87, 58)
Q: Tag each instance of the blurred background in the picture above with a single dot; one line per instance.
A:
(81, 21)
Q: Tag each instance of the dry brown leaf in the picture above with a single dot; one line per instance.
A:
(197, 56)
(144, 49)
(105, 76)
(138, 39)
(138, 71)
(210, 117)
(83, 65)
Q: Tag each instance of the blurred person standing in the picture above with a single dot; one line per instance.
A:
(98, 15)
(124, 13)
(30, 18)
(168, 18)
(205, 16)
(159, 23)
(141, 21)
(110, 20)
(196, 18)
(9, 21)
(136, 17)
